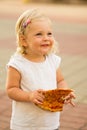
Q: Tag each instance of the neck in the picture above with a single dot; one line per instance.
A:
(35, 58)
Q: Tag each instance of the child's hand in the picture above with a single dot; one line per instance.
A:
(37, 96)
(69, 98)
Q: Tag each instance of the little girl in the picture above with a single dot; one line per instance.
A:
(33, 69)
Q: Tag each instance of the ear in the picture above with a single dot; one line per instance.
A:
(22, 40)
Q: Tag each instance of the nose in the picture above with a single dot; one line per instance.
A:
(45, 37)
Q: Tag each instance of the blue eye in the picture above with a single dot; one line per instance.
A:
(38, 34)
(50, 34)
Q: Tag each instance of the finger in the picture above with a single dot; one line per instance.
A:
(66, 101)
(72, 103)
(40, 90)
(72, 95)
(69, 101)
(41, 95)
(67, 97)
(36, 101)
(40, 98)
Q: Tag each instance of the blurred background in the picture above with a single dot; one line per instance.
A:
(70, 29)
(58, 1)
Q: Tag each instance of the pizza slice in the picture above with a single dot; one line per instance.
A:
(54, 99)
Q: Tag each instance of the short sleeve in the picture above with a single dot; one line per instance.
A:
(14, 63)
(56, 60)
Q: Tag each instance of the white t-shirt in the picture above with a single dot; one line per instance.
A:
(34, 75)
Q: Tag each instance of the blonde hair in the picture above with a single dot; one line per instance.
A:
(21, 26)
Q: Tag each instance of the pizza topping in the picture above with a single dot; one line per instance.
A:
(54, 99)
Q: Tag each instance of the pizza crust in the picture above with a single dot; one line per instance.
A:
(54, 99)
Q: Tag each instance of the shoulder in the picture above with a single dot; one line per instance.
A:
(15, 58)
(15, 61)
(54, 59)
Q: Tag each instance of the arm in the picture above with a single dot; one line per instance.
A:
(15, 92)
(61, 83)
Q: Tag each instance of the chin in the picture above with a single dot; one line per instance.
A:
(45, 51)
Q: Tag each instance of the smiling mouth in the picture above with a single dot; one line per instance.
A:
(45, 45)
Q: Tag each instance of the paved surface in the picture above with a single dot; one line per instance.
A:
(71, 118)
(70, 29)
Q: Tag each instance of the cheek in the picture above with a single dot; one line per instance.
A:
(37, 41)
(52, 41)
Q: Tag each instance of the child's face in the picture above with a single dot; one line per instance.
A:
(39, 38)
